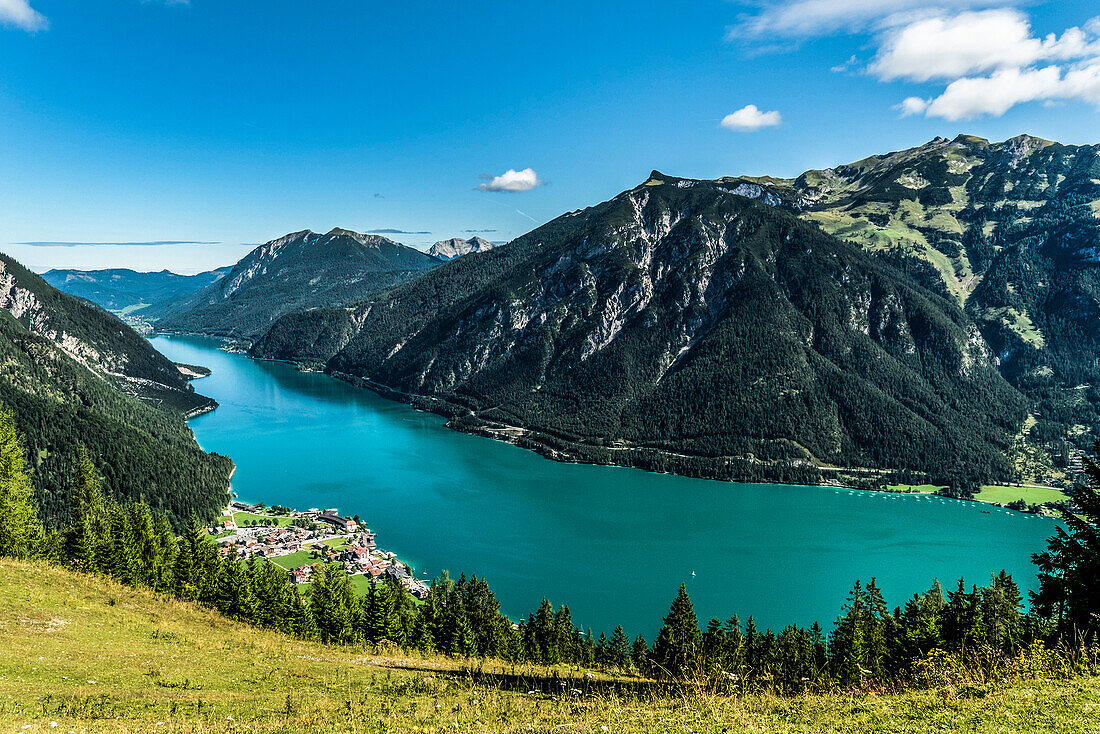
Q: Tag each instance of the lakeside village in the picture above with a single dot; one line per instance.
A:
(298, 541)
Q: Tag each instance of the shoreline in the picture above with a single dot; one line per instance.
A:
(542, 444)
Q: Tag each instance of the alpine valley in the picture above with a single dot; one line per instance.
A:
(930, 313)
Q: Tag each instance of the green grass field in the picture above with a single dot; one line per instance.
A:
(241, 518)
(132, 308)
(1030, 495)
(293, 560)
(91, 656)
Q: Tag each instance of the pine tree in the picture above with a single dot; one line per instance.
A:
(334, 606)
(86, 534)
(876, 623)
(189, 567)
(21, 534)
(714, 646)
(619, 649)
(378, 611)
(139, 520)
(677, 649)
(162, 574)
(848, 648)
(423, 639)
(565, 635)
(962, 621)
(542, 632)
(404, 613)
(124, 556)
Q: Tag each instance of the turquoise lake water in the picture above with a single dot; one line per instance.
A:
(614, 544)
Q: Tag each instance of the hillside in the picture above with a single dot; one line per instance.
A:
(95, 656)
(693, 326)
(75, 375)
(128, 291)
(299, 271)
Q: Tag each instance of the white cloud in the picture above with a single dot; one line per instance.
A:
(912, 106)
(20, 14)
(807, 18)
(950, 47)
(996, 94)
(749, 119)
(513, 181)
(984, 53)
(991, 61)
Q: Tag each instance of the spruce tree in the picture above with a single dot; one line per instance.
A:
(619, 649)
(162, 573)
(1069, 569)
(714, 646)
(677, 649)
(542, 631)
(404, 613)
(848, 647)
(21, 534)
(86, 534)
(124, 558)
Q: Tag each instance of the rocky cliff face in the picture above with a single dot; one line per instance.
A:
(457, 247)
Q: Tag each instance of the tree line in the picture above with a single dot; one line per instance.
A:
(984, 626)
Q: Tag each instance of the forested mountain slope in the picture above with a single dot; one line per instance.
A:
(75, 375)
(299, 271)
(1010, 231)
(697, 326)
(121, 289)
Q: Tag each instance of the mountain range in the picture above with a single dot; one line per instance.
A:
(76, 376)
(931, 310)
(129, 291)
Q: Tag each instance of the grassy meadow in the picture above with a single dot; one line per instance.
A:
(90, 655)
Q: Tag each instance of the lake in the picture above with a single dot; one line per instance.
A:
(614, 544)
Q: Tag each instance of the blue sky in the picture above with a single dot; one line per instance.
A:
(233, 122)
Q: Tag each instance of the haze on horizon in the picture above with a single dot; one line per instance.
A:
(178, 134)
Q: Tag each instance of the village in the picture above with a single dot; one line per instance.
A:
(298, 542)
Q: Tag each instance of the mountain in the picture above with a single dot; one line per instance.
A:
(129, 291)
(457, 247)
(74, 375)
(299, 271)
(701, 327)
(1010, 231)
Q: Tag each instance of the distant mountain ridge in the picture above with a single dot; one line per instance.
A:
(693, 326)
(298, 271)
(121, 289)
(75, 375)
(457, 247)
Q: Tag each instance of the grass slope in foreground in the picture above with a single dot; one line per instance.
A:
(93, 656)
